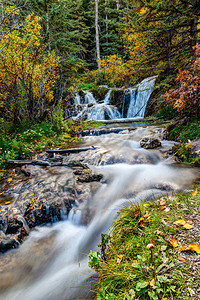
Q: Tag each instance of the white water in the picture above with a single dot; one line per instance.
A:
(52, 263)
(96, 111)
(140, 97)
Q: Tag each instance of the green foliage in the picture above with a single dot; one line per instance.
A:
(94, 260)
(183, 133)
(166, 113)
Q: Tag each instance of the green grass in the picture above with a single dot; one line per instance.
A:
(24, 143)
(186, 132)
(141, 261)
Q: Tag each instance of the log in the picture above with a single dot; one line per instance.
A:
(75, 150)
(28, 162)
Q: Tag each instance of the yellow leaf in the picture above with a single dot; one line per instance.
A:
(188, 226)
(152, 283)
(120, 256)
(192, 247)
(179, 223)
(173, 242)
(1, 193)
(8, 202)
(190, 222)
(194, 192)
(9, 180)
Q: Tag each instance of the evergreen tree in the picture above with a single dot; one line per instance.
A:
(161, 34)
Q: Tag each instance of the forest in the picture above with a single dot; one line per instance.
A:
(72, 149)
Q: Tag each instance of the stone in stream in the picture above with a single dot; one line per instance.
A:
(87, 176)
(150, 143)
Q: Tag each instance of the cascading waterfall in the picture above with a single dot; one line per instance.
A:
(95, 111)
(134, 103)
(139, 97)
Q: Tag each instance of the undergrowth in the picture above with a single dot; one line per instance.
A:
(140, 258)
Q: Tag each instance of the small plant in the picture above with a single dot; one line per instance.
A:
(94, 260)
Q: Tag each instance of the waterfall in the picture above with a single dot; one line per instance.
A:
(139, 97)
(94, 111)
(134, 103)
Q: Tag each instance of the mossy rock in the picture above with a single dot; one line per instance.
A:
(99, 92)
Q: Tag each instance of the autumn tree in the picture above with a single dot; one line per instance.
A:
(186, 98)
(27, 72)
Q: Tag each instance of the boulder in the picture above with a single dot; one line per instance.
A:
(150, 143)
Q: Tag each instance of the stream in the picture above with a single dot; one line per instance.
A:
(52, 263)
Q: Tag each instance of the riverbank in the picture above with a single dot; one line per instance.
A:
(152, 250)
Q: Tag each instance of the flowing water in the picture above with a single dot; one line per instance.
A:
(91, 110)
(53, 263)
(137, 98)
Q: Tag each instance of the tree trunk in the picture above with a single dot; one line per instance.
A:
(97, 31)
(118, 4)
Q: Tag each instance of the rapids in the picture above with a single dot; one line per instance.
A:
(53, 262)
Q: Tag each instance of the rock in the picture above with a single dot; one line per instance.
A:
(150, 143)
(87, 176)
(6, 245)
(195, 147)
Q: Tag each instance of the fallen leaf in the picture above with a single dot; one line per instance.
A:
(144, 219)
(188, 226)
(173, 242)
(190, 222)
(162, 207)
(181, 258)
(8, 202)
(192, 247)
(120, 256)
(162, 202)
(194, 192)
(158, 232)
(167, 209)
(192, 293)
(9, 180)
(179, 223)
(1, 193)
(164, 221)
(152, 283)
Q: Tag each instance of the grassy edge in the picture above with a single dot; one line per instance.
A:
(142, 258)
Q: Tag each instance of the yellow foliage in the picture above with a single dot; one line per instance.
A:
(24, 65)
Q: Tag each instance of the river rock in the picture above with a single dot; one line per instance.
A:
(150, 143)
(87, 176)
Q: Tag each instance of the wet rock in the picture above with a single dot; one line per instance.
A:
(87, 176)
(43, 213)
(13, 226)
(6, 245)
(195, 148)
(150, 143)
